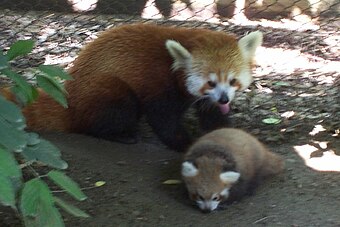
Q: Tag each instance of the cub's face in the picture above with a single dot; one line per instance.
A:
(216, 73)
(207, 187)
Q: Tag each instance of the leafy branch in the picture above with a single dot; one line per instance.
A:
(32, 199)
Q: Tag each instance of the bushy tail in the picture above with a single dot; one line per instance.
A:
(6, 92)
(44, 114)
(273, 164)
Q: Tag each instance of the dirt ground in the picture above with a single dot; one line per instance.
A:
(304, 95)
(135, 196)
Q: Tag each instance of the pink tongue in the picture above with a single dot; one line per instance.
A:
(225, 108)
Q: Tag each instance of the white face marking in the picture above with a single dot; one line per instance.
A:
(213, 77)
(216, 93)
(212, 203)
(209, 205)
(194, 83)
(245, 78)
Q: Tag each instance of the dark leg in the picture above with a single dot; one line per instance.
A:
(210, 116)
(164, 116)
(107, 109)
(117, 121)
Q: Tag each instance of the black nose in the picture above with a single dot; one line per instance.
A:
(206, 210)
(223, 99)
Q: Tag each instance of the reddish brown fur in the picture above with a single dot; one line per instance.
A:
(104, 55)
(249, 157)
(6, 92)
(121, 60)
(44, 113)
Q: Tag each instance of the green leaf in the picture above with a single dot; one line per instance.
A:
(271, 121)
(56, 83)
(11, 137)
(100, 183)
(22, 97)
(21, 47)
(55, 71)
(30, 197)
(67, 184)
(50, 88)
(46, 216)
(281, 84)
(273, 109)
(3, 61)
(172, 182)
(8, 165)
(37, 205)
(21, 82)
(9, 168)
(7, 191)
(10, 111)
(33, 139)
(46, 153)
(70, 208)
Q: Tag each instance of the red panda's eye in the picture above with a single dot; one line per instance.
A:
(200, 198)
(216, 198)
(233, 82)
(212, 83)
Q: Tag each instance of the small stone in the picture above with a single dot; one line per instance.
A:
(136, 213)
(121, 163)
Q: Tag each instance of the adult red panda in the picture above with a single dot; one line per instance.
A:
(225, 165)
(153, 70)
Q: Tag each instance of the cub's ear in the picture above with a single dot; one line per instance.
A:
(229, 177)
(189, 169)
(181, 56)
(249, 43)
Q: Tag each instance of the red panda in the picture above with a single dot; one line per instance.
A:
(226, 164)
(150, 70)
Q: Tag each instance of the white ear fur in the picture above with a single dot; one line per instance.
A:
(180, 55)
(230, 176)
(249, 43)
(188, 169)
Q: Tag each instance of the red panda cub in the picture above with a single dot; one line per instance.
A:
(150, 70)
(226, 164)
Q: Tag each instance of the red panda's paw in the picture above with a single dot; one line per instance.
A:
(125, 138)
(212, 117)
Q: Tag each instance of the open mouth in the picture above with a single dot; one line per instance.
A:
(224, 108)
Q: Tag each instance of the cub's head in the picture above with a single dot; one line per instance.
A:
(216, 65)
(207, 183)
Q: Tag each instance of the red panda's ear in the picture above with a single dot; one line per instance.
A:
(249, 43)
(181, 56)
(229, 177)
(189, 169)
